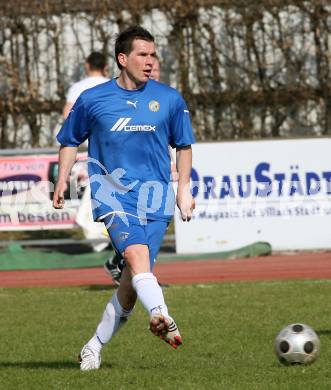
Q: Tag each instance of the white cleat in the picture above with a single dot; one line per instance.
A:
(89, 359)
(166, 329)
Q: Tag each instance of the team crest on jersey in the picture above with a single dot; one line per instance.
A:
(154, 106)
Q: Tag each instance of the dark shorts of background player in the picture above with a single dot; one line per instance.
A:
(125, 232)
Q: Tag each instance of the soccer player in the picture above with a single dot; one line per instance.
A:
(115, 264)
(156, 70)
(130, 121)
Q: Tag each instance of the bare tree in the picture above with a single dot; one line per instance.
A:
(247, 69)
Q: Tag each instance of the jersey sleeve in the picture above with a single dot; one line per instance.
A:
(75, 129)
(181, 132)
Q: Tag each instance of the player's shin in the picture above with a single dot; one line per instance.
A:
(151, 296)
(113, 318)
(150, 293)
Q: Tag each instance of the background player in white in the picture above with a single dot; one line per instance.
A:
(130, 142)
(96, 69)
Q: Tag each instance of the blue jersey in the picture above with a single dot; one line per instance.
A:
(129, 132)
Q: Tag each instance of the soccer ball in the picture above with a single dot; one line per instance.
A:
(297, 344)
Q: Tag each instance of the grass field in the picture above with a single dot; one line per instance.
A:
(228, 332)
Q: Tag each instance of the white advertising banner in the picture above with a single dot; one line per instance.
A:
(276, 191)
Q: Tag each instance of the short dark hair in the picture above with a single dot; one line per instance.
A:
(124, 40)
(97, 61)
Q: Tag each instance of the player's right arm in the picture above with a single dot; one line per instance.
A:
(67, 158)
(74, 132)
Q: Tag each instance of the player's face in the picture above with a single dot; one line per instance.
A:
(155, 73)
(139, 63)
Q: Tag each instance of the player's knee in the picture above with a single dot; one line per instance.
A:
(135, 254)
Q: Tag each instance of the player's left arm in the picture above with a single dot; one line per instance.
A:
(185, 201)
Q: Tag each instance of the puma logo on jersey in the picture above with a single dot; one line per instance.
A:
(134, 104)
(122, 125)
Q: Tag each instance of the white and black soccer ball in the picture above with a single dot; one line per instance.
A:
(297, 344)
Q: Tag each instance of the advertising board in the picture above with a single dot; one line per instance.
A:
(273, 191)
(26, 190)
